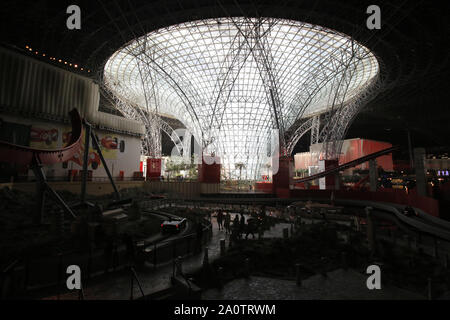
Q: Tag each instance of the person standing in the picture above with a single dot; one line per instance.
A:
(241, 225)
(199, 236)
(227, 222)
(220, 220)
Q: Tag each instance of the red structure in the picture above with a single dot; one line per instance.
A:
(282, 178)
(328, 182)
(352, 149)
(209, 170)
(153, 169)
(22, 155)
(357, 148)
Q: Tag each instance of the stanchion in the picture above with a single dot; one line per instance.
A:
(132, 284)
(154, 256)
(408, 241)
(430, 292)
(205, 258)
(247, 267)
(222, 247)
(298, 279)
(220, 279)
(370, 230)
(344, 260)
(436, 249)
(58, 284)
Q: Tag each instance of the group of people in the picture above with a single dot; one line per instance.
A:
(224, 221)
(238, 226)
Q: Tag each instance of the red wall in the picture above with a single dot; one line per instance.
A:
(282, 178)
(357, 148)
(264, 187)
(209, 173)
(153, 169)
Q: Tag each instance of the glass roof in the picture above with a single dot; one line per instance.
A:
(232, 80)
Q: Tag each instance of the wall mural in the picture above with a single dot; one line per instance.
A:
(109, 145)
(44, 138)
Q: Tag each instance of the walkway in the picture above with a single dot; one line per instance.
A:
(117, 286)
(338, 285)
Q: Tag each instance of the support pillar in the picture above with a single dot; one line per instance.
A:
(222, 247)
(419, 166)
(206, 258)
(337, 181)
(282, 178)
(328, 182)
(209, 174)
(298, 275)
(370, 230)
(40, 193)
(84, 174)
(373, 175)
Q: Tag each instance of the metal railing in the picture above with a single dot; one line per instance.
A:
(134, 277)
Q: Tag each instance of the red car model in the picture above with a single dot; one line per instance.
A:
(109, 142)
(40, 135)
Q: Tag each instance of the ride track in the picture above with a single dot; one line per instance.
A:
(36, 158)
(27, 156)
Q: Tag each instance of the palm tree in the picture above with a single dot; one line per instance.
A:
(239, 166)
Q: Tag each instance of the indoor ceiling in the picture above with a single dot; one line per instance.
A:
(412, 46)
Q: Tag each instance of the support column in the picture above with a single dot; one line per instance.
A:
(373, 175)
(84, 176)
(209, 174)
(40, 193)
(337, 181)
(282, 179)
(153, 169)
(328, 182)
(371, 237)
(315, 130)
(419, 166)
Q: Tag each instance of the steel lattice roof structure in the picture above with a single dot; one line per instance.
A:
(231, 81)
(411, 49)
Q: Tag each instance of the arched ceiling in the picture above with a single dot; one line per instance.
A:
(412, 46)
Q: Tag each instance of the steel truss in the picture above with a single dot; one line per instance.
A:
(231, 81)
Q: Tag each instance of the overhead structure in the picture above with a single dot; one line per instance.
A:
(238, 82)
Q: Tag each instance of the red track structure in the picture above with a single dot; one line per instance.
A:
(36, 158)
(22, 155)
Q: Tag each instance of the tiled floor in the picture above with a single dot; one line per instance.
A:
(339, 284)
